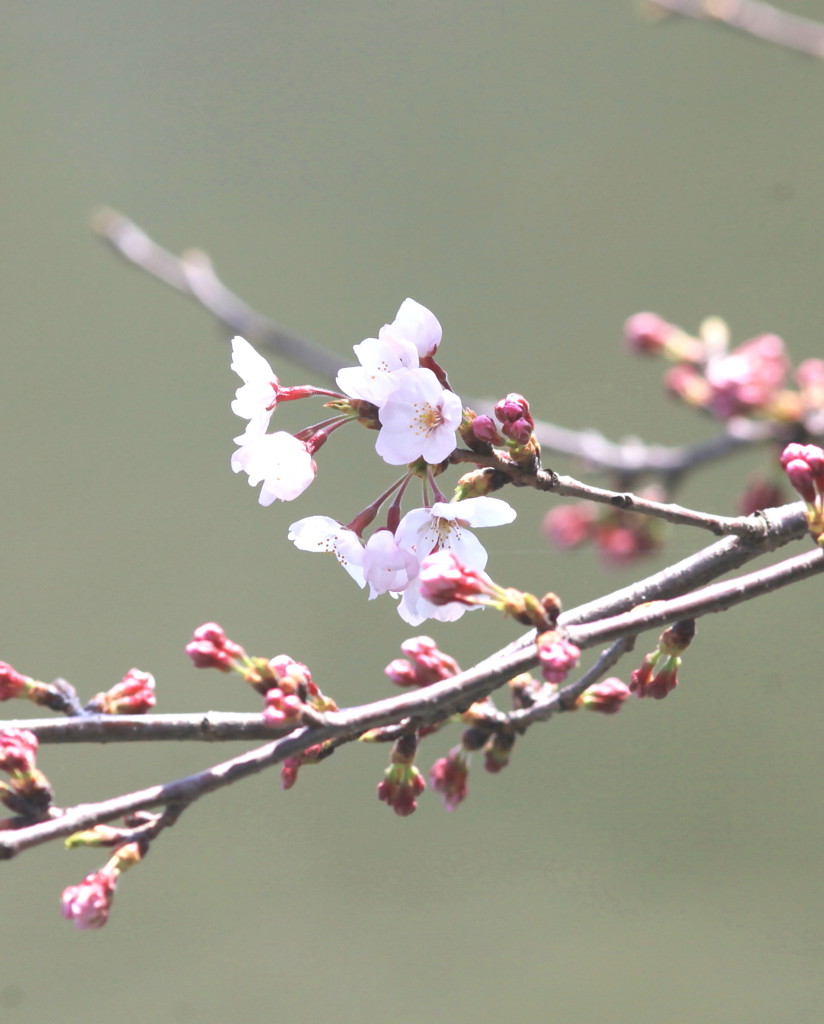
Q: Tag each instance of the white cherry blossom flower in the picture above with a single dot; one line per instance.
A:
(320, 533)
(256, 399)
(412, 335)
(444, 526)
(380, 359)
(420, 326)
(282, 463)
(387, 567)
(418, 419)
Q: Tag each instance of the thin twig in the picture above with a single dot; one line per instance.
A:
(194, 275)
(763, 21)
(546, 480)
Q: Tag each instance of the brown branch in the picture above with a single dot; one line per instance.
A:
(763, 21)
(429, 704)
(783, 525)
(751, 526)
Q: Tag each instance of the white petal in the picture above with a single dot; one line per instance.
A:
(420, 326)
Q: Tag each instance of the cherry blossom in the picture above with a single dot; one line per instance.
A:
(320, 533)
(444, 525)
(387, 567)
(380, 359)
(282, 463)
(418, 419)
(418, 325)
(413, 335)
(256, 399)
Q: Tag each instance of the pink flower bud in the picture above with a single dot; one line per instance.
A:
(212, 632)
(88, 904)
(647, 333)
(557, 656)
(804, 466)
(448, 777)
(12, 683)
(18, 749)
(608, 696)
(484, 429)
(282, 709)
(290, 674)
(444, 579)
(402, 673)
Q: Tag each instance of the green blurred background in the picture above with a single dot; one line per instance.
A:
(534, 173)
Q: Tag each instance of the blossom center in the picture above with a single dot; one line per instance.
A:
(427, 417)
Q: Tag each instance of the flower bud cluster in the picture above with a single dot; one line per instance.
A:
(657, 675)
(286, 685)
(211, 648)
(402, 782)
(557, 656)
(749, 380)
(293, 693)
(133, 695)
(426, 663)
(514, 431)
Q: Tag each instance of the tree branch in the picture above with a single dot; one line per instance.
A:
(193, 275)
(763, 21)
(547, 480)
(784, 525)
(428, 704)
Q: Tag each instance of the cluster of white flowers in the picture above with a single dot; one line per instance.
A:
(418, 417)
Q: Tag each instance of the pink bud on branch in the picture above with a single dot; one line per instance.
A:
(657, 675)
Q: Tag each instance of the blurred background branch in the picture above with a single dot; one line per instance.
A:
(763, 21)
